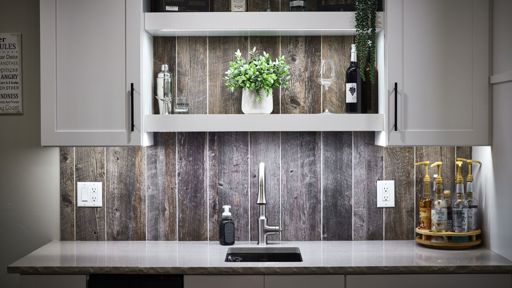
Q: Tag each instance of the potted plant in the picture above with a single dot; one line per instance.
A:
(256, 76)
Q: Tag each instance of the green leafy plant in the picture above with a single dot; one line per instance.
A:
(257, 73)
(366, 14)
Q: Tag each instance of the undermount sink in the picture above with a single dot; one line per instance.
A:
(263, 254)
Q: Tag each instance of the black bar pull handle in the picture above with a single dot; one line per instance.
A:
(396, 106)
(132, 101)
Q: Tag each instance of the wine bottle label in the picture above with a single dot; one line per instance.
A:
(238, 6)
(439, 219)
(171, 8)
(425, 218)
(459, 220)
(351, 93)
(296, 3)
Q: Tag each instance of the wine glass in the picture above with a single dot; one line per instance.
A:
(327, 73)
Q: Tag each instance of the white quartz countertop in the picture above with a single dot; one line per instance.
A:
(326, 257)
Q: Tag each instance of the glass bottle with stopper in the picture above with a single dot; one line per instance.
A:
(439, 210)
(164, 90)
(425, 203)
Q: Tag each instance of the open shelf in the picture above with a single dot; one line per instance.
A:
(252, 23)
(262, 122)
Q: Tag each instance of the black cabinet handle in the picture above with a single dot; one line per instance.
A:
(132, 115)
(396, 106)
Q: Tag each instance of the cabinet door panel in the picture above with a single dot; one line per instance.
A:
(438, 54)
(91, 73)
(223, 281)
(429, 281)
(305, 281)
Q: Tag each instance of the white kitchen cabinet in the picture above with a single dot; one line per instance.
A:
(223, 281)
(93, 73)
(304, 281)
(54, 281)
(429, 281)
(437, 53)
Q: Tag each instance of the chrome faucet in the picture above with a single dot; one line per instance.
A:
(263, 229)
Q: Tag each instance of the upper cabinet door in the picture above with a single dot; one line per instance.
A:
(86, 94)
(437, 53)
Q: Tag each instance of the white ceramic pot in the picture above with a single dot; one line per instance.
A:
(251, 105)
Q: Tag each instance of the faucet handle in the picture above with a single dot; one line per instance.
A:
(261, 185)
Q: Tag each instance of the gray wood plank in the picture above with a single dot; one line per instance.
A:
(191, 186)
(164, 52)
(367, 169)
(90, 167)
(300, 186)
(221, 51)
(271, 46)
(336, 49)
(303, 95)
(266, 148)
(67, 193)
(161, 188)
(262, 5)
(400, 221)
(192, 69)
(126, 200)
(337, 186)
(220, 5)
(228, 181)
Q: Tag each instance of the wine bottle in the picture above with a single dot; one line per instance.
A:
(353, 85)
(297, 5)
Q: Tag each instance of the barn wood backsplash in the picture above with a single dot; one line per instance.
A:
(320, 186)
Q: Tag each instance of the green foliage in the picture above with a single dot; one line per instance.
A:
(366, 13)
(257, 73)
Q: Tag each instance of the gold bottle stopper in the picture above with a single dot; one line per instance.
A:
(439, 178)
(426, 164)
(459, 179)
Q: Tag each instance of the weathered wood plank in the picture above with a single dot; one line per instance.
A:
(220, 5)
(434, 154)
(368, 168)
(126, 200)
(400, 221)
(221, 51)
(164, 52)
(300, 186)
(262, 5)
(337, 186)
(336, 49)
(303, 95)
(228, 181)
(90, 167)
(271, 46)
(161, 188)
(192, 189)
(67, 193)
(266, 148)
(192, 68)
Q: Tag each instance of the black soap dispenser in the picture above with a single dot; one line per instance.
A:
(227, 227)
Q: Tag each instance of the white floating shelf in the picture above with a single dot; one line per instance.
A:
(252, 23)
(260, 122)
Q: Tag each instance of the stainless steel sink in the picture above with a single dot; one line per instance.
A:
(263, 254)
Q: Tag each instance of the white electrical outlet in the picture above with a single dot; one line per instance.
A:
(386, 193)
(89, 194)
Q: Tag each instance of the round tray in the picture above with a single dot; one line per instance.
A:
(425, 239)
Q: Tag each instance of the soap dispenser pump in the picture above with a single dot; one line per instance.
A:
(425, 203)
(227, 227)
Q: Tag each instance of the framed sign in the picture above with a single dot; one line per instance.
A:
(10, 74)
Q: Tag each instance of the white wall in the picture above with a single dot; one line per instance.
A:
(495, 178)
(29, 174)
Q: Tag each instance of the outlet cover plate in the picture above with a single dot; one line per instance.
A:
(89, 194)
(386, 193)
